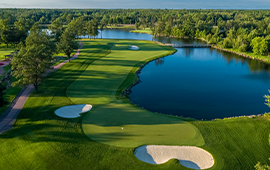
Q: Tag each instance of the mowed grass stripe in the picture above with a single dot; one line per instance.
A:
(41, 140)
(237, 143)
(120, 124)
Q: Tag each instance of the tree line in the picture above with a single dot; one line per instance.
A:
(243, 30)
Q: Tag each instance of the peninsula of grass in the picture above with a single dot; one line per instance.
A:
(42, 140)
(143, 31)
(121, 124)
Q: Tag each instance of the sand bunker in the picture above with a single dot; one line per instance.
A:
(189, 156)
(72, 111)
(133, 47)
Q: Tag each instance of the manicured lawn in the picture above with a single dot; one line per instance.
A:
(41, 140)
(144, 31)
(5, 51)
(98, 86)
(237, 143)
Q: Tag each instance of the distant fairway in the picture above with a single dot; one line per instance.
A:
(114, 122)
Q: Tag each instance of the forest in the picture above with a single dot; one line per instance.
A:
(242, 30)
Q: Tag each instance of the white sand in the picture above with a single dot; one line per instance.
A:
(72, 111)
(133, 47)
(189, 156)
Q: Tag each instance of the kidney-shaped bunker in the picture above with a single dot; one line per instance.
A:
(72, 111)
(189, 156)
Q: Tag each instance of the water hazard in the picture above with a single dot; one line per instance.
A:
(201, 83)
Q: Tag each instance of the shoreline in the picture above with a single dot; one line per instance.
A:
(125, 93)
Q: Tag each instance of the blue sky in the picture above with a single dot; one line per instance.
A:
(109, 4)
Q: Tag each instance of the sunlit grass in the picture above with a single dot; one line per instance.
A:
(41, 140)
(98, 86)
(143, 31)
(5, 51)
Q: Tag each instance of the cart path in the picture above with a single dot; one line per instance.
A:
(8, 118)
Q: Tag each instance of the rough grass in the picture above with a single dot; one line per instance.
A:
(98, 86)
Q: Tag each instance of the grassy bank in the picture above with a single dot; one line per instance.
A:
(41, 140)
(121, 26)
(144, 31)
(249, 54)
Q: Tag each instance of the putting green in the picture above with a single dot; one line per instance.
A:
(121, 124)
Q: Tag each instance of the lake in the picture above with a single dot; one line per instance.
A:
(200, 83)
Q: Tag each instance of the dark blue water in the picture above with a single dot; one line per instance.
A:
(203, 83)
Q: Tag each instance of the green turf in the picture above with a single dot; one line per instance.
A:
(144, 31)
(41, 140)
(5, 51)
(98, 86)
(237, 143)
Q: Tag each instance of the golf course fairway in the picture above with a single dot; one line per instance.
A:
(114, 122)
(42, 140)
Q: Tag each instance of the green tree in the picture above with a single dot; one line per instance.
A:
(34, 59)
(57, 29)
(259, 46)
(92, 28)
(154, 32)
(160, 27)
(101, 28)
(67, 42)
(137, 25)
(23, 25)
(168, 30)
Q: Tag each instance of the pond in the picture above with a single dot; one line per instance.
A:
(200, 83)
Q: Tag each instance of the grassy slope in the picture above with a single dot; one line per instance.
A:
(98, 86)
